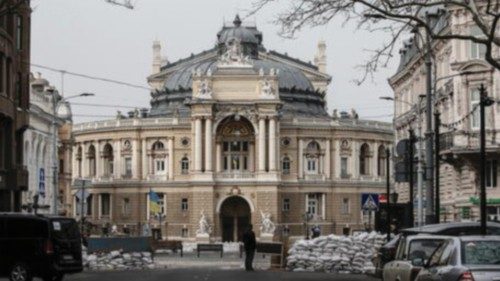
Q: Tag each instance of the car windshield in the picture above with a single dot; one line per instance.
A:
(423, 249)
(64, 229)
(481, 252)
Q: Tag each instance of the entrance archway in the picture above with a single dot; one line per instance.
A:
(235, 216)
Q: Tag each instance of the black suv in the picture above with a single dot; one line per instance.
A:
(41, 246)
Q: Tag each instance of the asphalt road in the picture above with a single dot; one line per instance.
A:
(201, 274)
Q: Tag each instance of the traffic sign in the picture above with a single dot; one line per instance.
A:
(369, 201)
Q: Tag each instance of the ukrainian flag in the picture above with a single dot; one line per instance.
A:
(154, 202)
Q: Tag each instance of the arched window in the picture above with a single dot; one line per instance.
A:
(158, 158)
(158, 145)
(108, 158)
(364, 163)
(381, 161)
(235, 134)
(312, 158)
(285, 166)
(91, 158)
(185, 165)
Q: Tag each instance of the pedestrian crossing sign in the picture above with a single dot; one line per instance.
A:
(369, 201)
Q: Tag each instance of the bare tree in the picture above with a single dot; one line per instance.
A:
(9, 6)
(124, 3)
(396, 18)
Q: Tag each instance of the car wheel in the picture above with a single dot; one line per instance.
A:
(20, 272)
(55, 277)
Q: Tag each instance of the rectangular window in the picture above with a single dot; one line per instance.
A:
(18, 89)
(126, 206)
(345, 206)
(184, 204)
(286, 204)
(19, 32)
(491, 173)
(312, 204)
(184, 232)
(286, 166)
(312, 165)
(477, 51)
(105, 204)
(474, 105)
(128, 167)
(89, 205)
(343, 168)
(159, 166)
(161, 203)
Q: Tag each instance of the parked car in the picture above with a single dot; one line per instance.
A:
(387, 252)
(38, 246)
(411, 248)
(467, 258)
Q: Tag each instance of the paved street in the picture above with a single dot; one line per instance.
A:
(211, 274)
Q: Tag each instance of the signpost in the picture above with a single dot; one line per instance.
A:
(370, 203)
(81, 184)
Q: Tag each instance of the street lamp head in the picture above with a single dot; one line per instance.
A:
(386, 98)
(87, 95)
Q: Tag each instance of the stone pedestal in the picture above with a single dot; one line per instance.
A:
(203, 238)
(266, 237)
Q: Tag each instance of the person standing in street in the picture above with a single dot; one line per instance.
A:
(249, 243)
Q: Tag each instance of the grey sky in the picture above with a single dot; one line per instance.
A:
(96, 38)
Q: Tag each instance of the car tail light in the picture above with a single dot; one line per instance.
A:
(48, 247)
(466, 276)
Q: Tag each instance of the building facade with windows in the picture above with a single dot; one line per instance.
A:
(14, 100)
(236, 133)
(458, 72)
(38, 145)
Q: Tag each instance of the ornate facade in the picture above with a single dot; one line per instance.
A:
(38, 145)
(235, 135)
(458, 72)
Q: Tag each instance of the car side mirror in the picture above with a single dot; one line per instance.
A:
(418, 262)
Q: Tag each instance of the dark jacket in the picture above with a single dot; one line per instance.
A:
(249, 240)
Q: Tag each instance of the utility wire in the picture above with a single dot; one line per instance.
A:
(103, 105)
(91, 77)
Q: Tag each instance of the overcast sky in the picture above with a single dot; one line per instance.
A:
(99, 39)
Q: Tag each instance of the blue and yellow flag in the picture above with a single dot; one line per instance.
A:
(154, 202)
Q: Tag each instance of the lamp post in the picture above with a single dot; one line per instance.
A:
(420, 169)
(55, 104)
(484, 102)
(388, 191)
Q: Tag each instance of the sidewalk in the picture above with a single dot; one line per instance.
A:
(230, 261)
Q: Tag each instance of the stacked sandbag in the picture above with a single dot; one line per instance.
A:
(339, 254)
(117, 260)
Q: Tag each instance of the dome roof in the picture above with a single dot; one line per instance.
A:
(288, 77)
(243, 34)
(298, 95)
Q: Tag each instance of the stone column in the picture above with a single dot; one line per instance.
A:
(272, 144)
(208, 145)
(374, 166)
(98, 160)
(197, 145)
(328, 159)
(136, 162)
(262, 144)
(355, 160)
(218, 157)
(301, 159)
(251, 157)
(117, 159)
(336, 157)
(171, 158)
(145, 168)
(306, 203)
(75, 174)
(323, 206)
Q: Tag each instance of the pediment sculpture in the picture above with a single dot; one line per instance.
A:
(234, 55)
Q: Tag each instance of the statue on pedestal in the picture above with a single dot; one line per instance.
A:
(267, 226)
(204, 227)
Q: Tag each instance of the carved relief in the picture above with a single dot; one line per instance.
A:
(234, 57)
